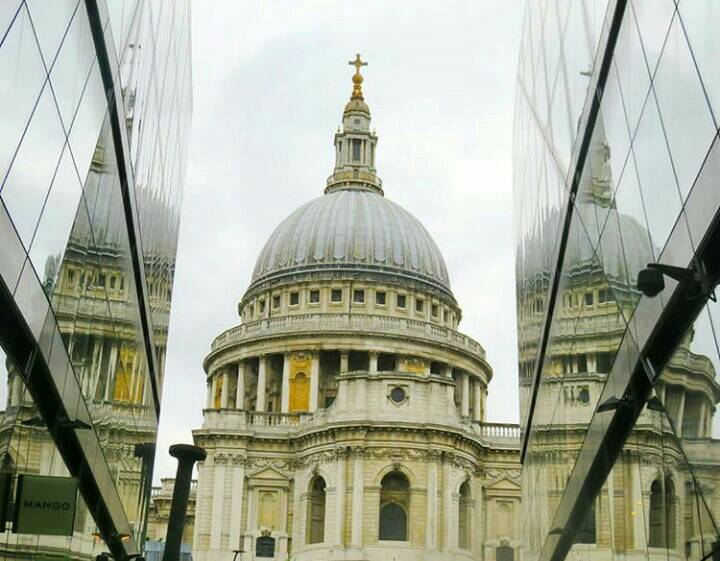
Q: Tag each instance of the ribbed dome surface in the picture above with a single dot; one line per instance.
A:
(352, 230)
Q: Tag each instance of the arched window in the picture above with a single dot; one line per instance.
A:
(670, 512)
(394, 507)
(464, 516)
(316, 511)
(657, 515)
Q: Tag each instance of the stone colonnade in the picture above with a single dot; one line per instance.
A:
(471, 390)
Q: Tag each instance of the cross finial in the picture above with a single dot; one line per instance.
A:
(357, 63)
(357, 77)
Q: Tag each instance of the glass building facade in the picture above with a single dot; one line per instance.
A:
(616, 161)
(96, 105)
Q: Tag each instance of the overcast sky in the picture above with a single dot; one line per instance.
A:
(270, 81)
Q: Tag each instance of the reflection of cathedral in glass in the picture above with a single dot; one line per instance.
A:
(345, 414)
(587, 335)
(92, 197)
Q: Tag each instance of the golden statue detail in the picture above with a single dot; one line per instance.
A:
(357, 78)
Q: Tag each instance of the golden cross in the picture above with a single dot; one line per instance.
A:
(357, 63)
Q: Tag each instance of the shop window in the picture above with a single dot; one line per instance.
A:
(336, 295)
(401, 301)
(394, 506)
(294, 298)
(380, 298)
(316, 511)
(314, 296)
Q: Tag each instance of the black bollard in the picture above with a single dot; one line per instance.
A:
(187, 455)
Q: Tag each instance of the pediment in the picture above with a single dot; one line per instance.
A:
(503, 483)
(268, 474)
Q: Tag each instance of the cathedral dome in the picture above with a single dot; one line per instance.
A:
(353, 230)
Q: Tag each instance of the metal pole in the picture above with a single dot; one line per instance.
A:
(186, 455)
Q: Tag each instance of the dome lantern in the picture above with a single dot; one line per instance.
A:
(354, 143)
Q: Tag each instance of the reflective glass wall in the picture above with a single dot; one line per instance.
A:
(97, 103)
(615, 167)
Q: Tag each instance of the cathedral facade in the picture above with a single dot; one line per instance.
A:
(345, 414)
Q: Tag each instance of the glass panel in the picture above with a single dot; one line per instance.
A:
(12, 253)
(70, 71)
(700, 21)
(23, 76)
(51, 237)
(51, 21)
(27, 185)
(686, 116)
(660, 194)
(653, 20)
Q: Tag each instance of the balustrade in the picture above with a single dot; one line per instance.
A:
(346, 322)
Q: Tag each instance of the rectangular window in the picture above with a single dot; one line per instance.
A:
(336, 295)
(589, 299)
(401, 301)
(359, 296)
(419, 304)
(101, 280)
(122, 283)
(112, 283)
(356, 150)
(71, 277)
(294, 298)
(603, 362)
(262, 306)
(276, 301)
(582, 367)
(603, 296)
(251, 311)
(445, 316)
(380, 298)
(314, 296)
(435, 310)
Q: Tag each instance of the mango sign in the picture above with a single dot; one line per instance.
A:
(45, 505)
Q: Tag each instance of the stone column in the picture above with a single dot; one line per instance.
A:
(314, 380)
(285, 398)
(261, 391)
(638, 505)
(447, 373)
(217, 500)
(238, 482)
(465, 407)
(681, 414)
(209, 403)
(224, 391)
(340, 491)
(344, 362)
(447, 504)
(432, 506)
(240, 393)
(357, 496)
(213, 389)
(478, 412)
(373, 363)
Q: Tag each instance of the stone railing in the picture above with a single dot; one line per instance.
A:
(229, 418)
(350, 323)
(494, 431)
